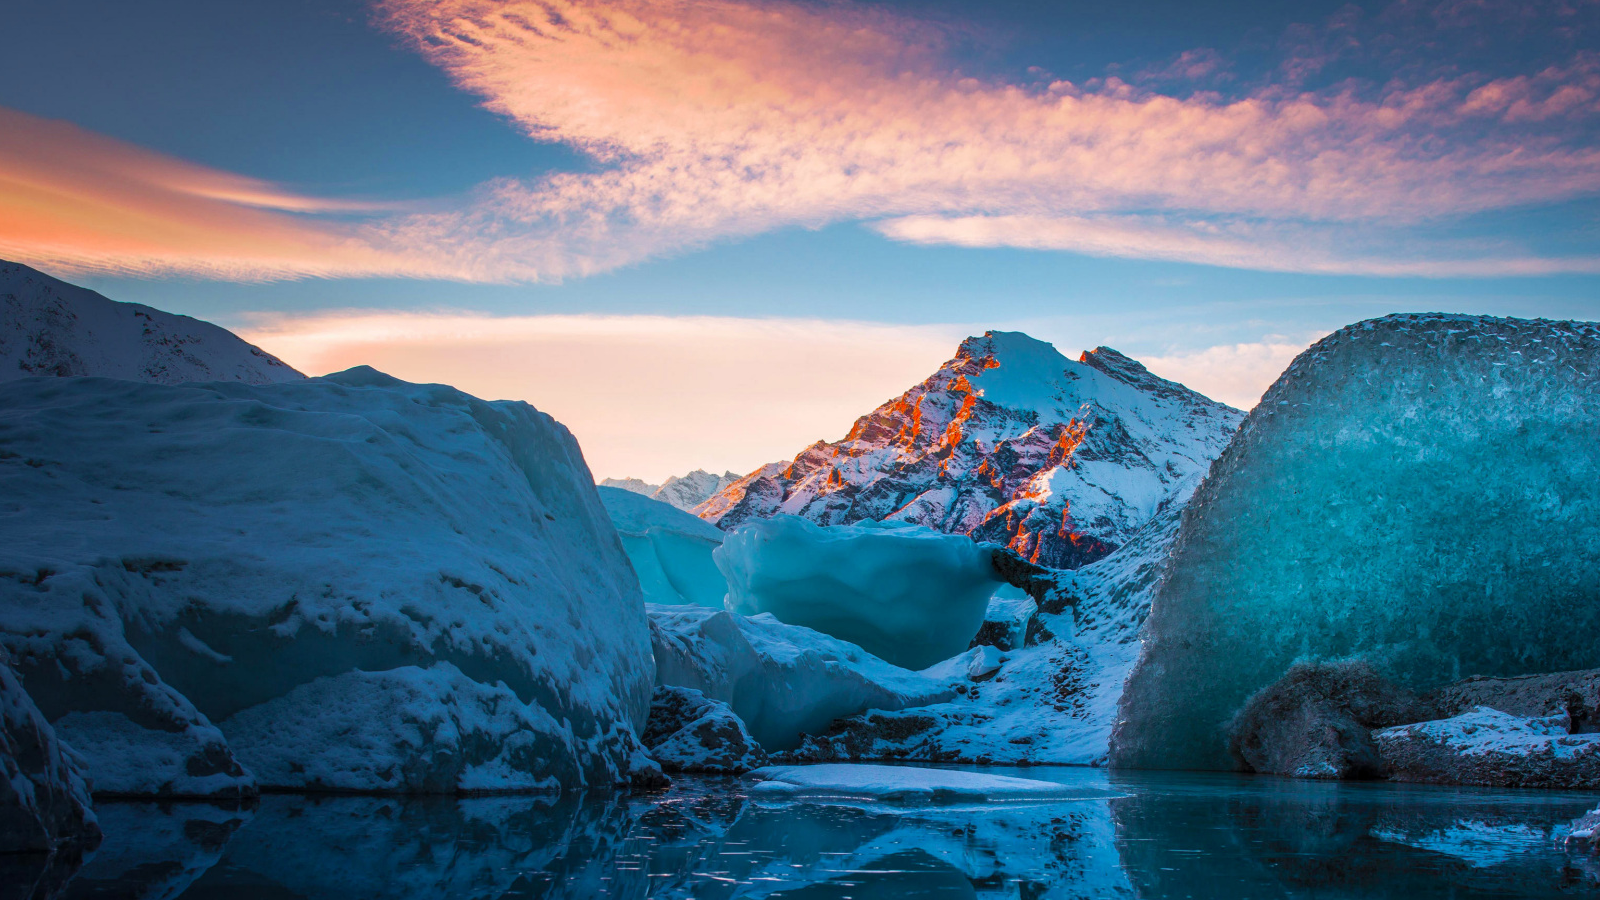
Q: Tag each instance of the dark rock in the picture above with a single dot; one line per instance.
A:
(875, 735)
(689, 732)
(1494, 749)
(1574, 694)
(1317, 722)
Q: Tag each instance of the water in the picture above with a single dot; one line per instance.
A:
(1166, 836)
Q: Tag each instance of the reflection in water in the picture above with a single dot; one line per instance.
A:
(1177, 836)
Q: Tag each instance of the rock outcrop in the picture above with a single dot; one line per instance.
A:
(689, 732)
(1317, 722)
(1493, 749)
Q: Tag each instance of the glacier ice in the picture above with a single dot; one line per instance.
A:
(905, 593)
(178, 561)
(1415, 491)
(670, 550)
(783, 681)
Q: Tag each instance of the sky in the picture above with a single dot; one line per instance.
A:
(707, 234)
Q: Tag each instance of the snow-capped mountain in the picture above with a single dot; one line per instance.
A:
(683, 491)
(50, 327)
(1011, 442)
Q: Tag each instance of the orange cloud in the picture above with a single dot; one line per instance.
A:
(723, 118)
(717, 119)
(76, 200)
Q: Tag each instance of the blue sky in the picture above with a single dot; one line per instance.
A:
(1484, 195)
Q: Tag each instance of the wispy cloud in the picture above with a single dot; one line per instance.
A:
(715, 120)
(647, 396)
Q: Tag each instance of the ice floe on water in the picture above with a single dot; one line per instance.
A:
(908, 784)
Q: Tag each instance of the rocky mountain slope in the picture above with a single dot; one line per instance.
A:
(683, 491)
(50, 327)
(1063, 461)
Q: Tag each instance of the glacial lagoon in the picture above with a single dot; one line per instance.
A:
(1159, 835)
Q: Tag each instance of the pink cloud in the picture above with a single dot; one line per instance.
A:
(725, 118)
(719, 119)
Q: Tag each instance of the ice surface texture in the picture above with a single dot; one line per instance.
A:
(183, 565)
(783, 681)
(905, 593)
(50, 327)
(670, 549)
(1416, 490)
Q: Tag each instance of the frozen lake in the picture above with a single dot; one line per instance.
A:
(1164, 835)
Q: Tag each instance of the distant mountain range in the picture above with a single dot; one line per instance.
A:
(1010, 441)
(683, 491)
(50, 327)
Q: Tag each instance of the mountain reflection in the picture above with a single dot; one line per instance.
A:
(1167, 836)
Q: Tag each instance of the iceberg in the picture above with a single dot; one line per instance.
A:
(669, 549)
(210, 588)
(905, 593)
(44, 799)
(783, 681)
(1415, 491)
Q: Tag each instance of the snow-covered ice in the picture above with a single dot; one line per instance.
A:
(50, 327)
(177, 562)
(44, 799)
(908, 784)
(783, 681)
(1489, 747)
(1416, 490)
(905, 593)
(670, 549)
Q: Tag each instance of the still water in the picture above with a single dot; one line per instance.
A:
(1161, 836)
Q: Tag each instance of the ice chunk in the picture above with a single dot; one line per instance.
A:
(908, 784)
(670, 549)
(783, 681)
(280, 557)
(1417, 491)
(906, 593)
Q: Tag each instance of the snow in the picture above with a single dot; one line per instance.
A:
(907, 594)
(783, 681)
(907, 784)
(50, 327)
(670, 550)
(44, 799)
(1011, 442)
(1054, 699)
(679, 491)
(181, 562)
(690, 732)
(1416, 491)
(1484, 731)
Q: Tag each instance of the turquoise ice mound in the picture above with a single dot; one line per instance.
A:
(904, 593)
(1417, 491)
(669, 549)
